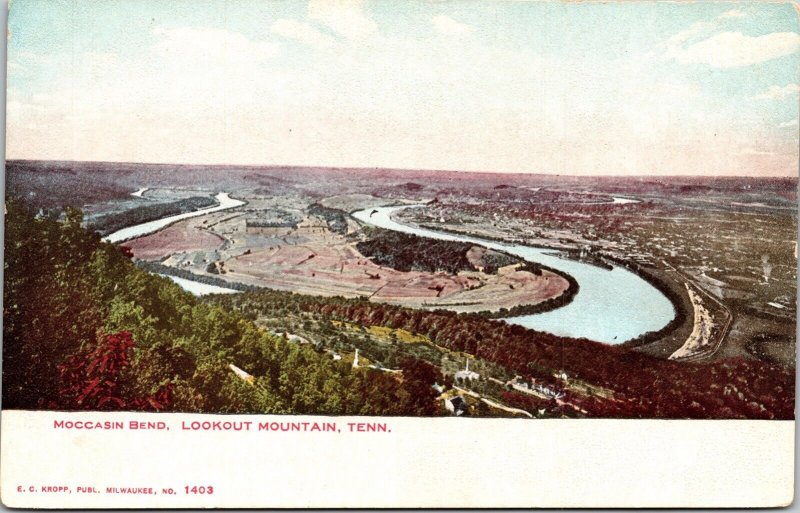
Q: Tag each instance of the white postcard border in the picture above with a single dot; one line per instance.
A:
(442, 462)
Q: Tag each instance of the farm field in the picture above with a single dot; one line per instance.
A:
(249, 233)
(310, 258)
(295, 235)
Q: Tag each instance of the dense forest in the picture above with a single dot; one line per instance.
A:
(335, 218)
(407, 252)
(86, 329)
(642, 386)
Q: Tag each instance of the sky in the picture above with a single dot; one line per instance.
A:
(587, 88)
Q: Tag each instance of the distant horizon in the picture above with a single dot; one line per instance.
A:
(401, 169)
(578, 89)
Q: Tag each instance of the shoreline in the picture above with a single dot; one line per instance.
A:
(115, 238)
(544, 306)
(682, 316)
(565, 298)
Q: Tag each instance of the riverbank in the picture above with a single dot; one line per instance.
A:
(547, 305)
(660, 343)
(614, 305)
(111, 222)
(663, 342)
(224, 202)
(562, 300)
(203, 279)
(310, 258)
(669, 287)
(423, 253)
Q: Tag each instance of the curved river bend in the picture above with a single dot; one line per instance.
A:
(611, 306)
(131, 232)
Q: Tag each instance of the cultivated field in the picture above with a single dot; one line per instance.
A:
(308, 258)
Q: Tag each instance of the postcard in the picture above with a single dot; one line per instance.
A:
(345, 253)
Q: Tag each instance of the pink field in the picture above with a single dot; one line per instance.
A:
(341, 270)
(180, 237)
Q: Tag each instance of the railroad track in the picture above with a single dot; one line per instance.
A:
(711, 351)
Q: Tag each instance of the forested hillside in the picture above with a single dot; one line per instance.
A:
(85, 329)
(621, 383)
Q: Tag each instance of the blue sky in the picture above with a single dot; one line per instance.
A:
(586, 88)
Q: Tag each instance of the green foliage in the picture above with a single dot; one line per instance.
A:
(636, 385)
(63, 286)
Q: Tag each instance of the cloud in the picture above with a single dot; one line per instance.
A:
(734, 49)
(733, 13)
(345, 17)
(697, 45)
(303, 33)
(695, 29)
(673, 46)
(778, 92)
(183, 99)
(789, 124)
(449, 27)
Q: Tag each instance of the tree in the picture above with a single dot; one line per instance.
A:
(419, 377)
(93, 379)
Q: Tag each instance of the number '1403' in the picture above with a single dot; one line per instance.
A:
(199, 490)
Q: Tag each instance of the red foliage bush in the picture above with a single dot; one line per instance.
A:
(93, 379)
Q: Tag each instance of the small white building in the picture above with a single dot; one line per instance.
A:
(467, 375)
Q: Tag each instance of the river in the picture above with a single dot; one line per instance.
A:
(131, 232)
(611, 306)
(197, 288)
